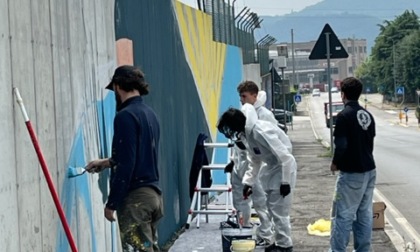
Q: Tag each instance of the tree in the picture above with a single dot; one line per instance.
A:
(409, 67)
(364, 73)
(388, 64)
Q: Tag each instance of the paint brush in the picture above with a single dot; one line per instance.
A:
(75, 171)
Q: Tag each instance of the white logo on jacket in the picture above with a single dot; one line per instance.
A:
(364, 119)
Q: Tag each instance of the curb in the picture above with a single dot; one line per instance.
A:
(323, 142)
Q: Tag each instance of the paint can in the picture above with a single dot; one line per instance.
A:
(230, 234)
(242, 246)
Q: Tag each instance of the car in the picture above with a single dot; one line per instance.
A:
(336, 108)
(316, 92)
(279, 115)
(334, 90)
(304, 90)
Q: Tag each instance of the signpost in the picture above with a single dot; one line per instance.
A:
(400, 91)
(328, 46)
(297, 98)
(406, 115)
(366, 100)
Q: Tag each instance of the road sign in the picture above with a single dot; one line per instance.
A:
(405, 109)
(298, 98)
(337, 50)
(400, 90)
(418, 92)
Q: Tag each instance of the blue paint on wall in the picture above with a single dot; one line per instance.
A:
(231, 78)
(77, 190)
(106, 113)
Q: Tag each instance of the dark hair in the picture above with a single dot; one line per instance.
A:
(232, 121)
(248, 86)
(352, 88)
(129, 78)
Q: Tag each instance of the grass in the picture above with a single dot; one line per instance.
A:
(326, 154)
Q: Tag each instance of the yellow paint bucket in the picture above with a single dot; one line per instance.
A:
(231, 234)
(243, 246)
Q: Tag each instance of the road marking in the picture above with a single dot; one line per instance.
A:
(391, 112)
(399, 218)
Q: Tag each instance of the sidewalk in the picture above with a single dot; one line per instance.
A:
(312, 200)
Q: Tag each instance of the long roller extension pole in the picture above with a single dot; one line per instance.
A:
(45, 170)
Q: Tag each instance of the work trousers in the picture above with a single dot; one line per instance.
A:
(138, 220)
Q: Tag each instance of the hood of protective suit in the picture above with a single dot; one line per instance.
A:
(251, 117)
(261, 99)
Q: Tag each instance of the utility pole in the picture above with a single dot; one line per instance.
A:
(394, 71)
(353, 56)
(273, 99)
(293, 60)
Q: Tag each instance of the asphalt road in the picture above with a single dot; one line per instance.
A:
(397, 156)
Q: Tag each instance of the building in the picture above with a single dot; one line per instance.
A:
(314, 72)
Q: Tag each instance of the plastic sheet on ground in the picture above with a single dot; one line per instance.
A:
(320, 227)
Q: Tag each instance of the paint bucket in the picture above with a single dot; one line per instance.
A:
(242, 246)
(230, 234)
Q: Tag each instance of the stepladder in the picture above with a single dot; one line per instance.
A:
(202, 192)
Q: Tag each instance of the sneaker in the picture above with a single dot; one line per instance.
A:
(260, 242)
(288, 249)
(274, 248)
(271, 248)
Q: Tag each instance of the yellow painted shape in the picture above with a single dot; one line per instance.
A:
(205, 58)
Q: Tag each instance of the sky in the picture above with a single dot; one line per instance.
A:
(266, 7)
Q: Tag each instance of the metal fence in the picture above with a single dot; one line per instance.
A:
(263, 53)
(233, 29)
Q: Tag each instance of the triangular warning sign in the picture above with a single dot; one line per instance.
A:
(337, 51)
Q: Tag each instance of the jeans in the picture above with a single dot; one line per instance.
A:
(352, 210)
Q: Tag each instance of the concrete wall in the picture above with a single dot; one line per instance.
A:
(252, 73)
(58, 54)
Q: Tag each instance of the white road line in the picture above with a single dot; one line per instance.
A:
(399, 218)
(391, 111)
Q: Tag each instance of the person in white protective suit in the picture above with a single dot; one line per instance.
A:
(249, 93)
(271, 161)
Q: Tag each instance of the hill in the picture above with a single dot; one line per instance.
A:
(348, 18)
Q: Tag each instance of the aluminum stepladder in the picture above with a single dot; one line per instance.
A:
(197, 206)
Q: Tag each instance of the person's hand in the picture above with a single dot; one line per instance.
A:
(97, 165)
(109, 214)
(240, 144)
(333, 168)
(284, 189)
(229, 167)
(246, 191)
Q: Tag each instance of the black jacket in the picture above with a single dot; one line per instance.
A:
(354, 135)
(135, 148)
(199, 159)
